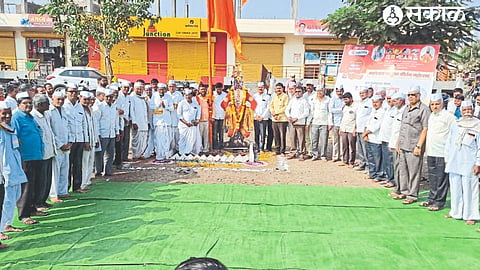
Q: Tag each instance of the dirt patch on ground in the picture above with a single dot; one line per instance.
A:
(275, 170)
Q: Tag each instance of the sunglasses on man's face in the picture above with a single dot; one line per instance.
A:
(412, 95)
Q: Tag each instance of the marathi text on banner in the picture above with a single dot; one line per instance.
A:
(395, 67)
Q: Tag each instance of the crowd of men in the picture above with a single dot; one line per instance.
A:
(386, 135)
(55, 141)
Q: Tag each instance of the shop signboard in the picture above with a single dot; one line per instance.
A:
(398, 68)
(168, 28)
(311, 28)
(37, 20)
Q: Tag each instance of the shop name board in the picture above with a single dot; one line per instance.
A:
(311, 28)
(421, 16)
(37, 20)
(169, 28)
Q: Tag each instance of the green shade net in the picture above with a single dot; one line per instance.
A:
(156, 226)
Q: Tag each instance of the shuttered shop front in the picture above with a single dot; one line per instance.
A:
(129, 57)
(7, 50)
(266, 51)
(188, 59)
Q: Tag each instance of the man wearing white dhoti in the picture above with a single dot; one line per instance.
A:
(462, 158)
(189, 113)
(139, 117)
(162, 106)
(176, 98)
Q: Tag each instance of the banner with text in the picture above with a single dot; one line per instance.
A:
(311, 28)
(398, 68)
(169, 28)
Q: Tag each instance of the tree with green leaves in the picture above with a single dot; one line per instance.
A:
(468, 58)
(364, 19)
(109, 26)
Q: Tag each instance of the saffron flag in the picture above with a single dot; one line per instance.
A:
(244, 2)
(221, 16)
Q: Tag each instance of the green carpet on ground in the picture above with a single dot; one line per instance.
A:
(156, 226)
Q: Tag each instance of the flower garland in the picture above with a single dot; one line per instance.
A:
(236, 118)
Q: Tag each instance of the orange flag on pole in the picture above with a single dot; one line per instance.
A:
(244, 2)
(221, 16)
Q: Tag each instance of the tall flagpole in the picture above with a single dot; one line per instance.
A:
(210, 68)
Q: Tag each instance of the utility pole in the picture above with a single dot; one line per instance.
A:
(187, 9)
(294, 9)
(156, 7)
(238, 5)
(174, 8)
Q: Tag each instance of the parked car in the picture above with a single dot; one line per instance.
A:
(78, 75)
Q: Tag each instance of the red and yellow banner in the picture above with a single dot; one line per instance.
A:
(395, 67)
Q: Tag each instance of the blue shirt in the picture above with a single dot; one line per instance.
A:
(29, 136)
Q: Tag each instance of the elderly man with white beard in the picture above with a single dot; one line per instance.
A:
(462, 157)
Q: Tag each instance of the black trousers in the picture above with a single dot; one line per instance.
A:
(260, 128)
(118, 153)
(2, 197)
(438, 180)
(269, 135)
(26, 202)
(125, 142)
(280, 135)
(75, 172)
(217, 130)
(42, 186)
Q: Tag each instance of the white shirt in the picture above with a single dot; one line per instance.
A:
(373, 125)
(43, 122)
(310, 97)
(189, 111)
(59, 123)
(438, 128)
(386, 126)
(76, 121)
(298, 108)
(348, 122)
(218, 111)
(90, 127)
(396, 122)
(139, 111)
(177, 97)
(263, 105)
(319, 112)
(462, 150)
(12, 103)
(162, 114)
(335, 107)
(364, 108)
(107, 120)
(123, 103)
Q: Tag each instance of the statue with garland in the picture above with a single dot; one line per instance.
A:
(239, 106)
